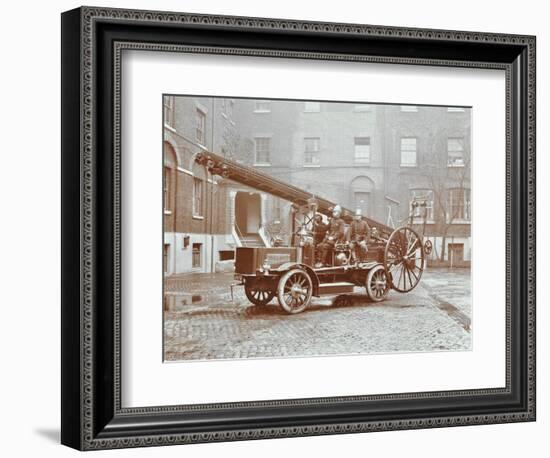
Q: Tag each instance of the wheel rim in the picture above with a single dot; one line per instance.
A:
(295, 291)
(404, 259)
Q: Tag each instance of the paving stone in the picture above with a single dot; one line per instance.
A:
(213, 327)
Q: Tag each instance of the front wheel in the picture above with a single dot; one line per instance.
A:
(258, 296)
(377, 284)
(294, 291)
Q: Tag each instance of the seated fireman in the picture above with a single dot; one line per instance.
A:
(320, 229)
(359, 236)
(335, 234)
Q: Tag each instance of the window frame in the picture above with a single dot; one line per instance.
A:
(401, 151)
(355, 151)
(198, 197)
(256, 161)
(169, 110)
(314, 152)
(466, 205)
(262, 110)
(460, 142)
(167, 189)
(309, 103)
(430, 209)
(200, 115)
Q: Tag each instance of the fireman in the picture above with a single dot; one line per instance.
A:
(335, 234)
(359, 236)
(320, 229)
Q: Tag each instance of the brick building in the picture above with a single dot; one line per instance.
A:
(375, 157)
(206, 217)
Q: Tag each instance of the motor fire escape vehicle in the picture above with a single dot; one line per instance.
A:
(395, 258)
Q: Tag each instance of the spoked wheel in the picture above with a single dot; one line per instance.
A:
(258, 296)
(294, 291)
(404, 259)
(377, 284)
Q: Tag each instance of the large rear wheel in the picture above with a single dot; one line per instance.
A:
(404, 259)
(294, 291)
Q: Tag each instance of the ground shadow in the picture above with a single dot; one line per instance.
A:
(52, 435)
(342, 301)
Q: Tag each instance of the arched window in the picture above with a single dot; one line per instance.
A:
(169, 176)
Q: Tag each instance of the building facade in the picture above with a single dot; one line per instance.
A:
(379, 158)
(205, 216)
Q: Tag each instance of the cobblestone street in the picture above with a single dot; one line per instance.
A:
(433, 317)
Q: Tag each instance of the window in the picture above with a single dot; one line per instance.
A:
(165, 257)
(262, 150)
(311, 151)
(262, 106)
(459, 205)
(455, 109)
(362, 108)
(409, 108)
(312, 107)
(455, 152)
(197, 255)
(168, 104)
(408, 152)
(362, 150)
(200, 126)
(197, 196)
(166, 188)
(424, 199)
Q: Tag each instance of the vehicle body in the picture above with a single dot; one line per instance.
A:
(394, 259)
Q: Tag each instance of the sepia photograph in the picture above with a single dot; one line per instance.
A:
(301, 228)
(290, 225)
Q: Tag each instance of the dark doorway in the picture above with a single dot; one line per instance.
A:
(456, 253)
(247, 212)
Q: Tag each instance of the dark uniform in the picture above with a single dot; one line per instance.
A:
(319, 231)
(359, 236)
(335, 234)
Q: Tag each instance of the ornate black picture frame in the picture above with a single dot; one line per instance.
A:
(92, 42)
